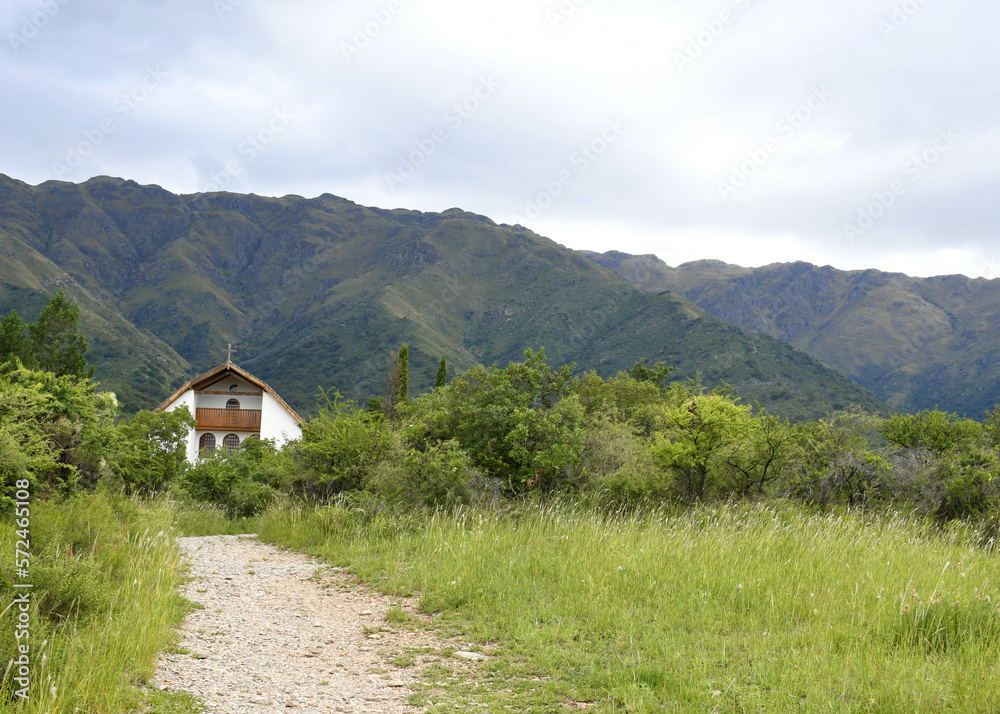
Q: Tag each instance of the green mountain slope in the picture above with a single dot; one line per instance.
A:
(916, 343)
(316, 292)
(134, 364)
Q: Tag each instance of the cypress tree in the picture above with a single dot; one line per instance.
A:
(404, 374)
(56, 341)
(14, 340)
(392, 397)
(442, 378)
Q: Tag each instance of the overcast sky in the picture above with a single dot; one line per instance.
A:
(856, 133)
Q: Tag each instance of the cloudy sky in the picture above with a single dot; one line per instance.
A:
(856, 133)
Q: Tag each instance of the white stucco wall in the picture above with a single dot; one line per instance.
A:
(218, 401)
(276, 423)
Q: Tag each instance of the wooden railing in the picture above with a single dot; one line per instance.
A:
(229, 419)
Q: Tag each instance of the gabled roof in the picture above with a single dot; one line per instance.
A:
(220, 372)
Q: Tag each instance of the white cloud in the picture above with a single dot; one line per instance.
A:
(562, 73)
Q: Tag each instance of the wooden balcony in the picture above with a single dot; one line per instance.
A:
(229, 419)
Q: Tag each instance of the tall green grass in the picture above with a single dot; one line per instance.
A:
(729, 609)
(106, 601)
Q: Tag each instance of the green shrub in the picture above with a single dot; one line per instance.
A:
(971, 483)
(835, 462)
(235, 482)
(56, 432)
(618, 464)
(340, 448)
(933, 430)
(442, 475)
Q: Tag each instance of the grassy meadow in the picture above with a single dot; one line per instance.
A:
(726, 609)
(106, 575)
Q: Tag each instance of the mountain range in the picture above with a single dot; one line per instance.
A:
(315, 292)
(916, 343)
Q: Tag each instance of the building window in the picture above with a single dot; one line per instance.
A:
(232, 404)
(231, 442)
(207, 442)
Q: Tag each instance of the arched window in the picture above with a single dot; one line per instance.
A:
(233, 404)
(207, 442)
(231, 442)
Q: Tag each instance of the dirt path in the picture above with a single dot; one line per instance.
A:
(271, 638)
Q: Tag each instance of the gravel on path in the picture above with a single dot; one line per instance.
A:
(271, 639)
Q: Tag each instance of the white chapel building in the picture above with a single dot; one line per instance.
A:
(230, 405)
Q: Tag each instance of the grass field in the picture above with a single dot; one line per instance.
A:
(730, 609)
(106, 576)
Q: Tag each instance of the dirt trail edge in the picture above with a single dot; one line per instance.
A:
(270, 638)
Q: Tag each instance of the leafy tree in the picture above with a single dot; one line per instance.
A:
(24, 449)
(15, 340)
(56, 341)
(516, 423)
(991, 427)
(836, 463)
(971, 481)
(761, 454)
(935, 431)
(154, 450)
(624, 399)
(442, 375)
(699, 436)
(657, 375)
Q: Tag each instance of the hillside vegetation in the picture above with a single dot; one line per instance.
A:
(316, 292)
(632, 542)
(916, 343)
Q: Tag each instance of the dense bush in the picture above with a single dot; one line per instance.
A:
(56, 432)
(340, 447)
(441, 475)
(239, 482)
